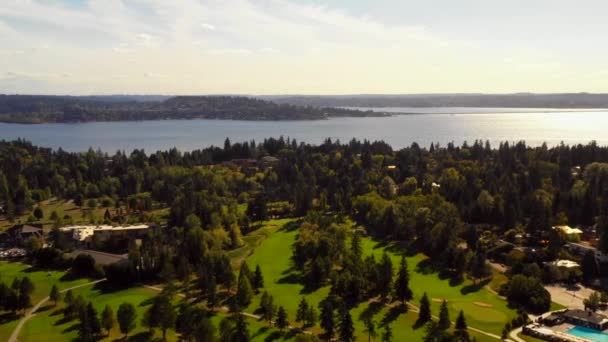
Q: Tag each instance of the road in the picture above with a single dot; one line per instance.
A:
(513, 334)
(31, 313)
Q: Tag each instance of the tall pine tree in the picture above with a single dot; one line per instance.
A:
(425, 310)
(403, 292)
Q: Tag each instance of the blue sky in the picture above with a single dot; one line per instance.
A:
(302, 46)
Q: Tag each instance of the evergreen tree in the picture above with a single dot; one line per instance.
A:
(241, 329)
(211, 292)
(433, 333)
(346, 328)
(370, 328)
(107, 319)
(385, 273)
(69, 297)
(126, 316)
(302, 311)
(244, 292)
(258, 279)
(425, 310)
(387, 335)
(244, 271)
(327, 318)
(267, 307)
(444, 317)
(162, 314)
(55, 295)
(282, 322)
(402, 284)
(93, 319)
(311, 316)
(461, 330)
(85, 334)
(356, 249)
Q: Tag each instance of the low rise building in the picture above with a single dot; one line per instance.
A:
(20, 233)
(582, 249)
(563, 263)
(568, 230)
(84, 234)
(586, 319)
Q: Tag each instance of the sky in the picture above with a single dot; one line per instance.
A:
(82, 47)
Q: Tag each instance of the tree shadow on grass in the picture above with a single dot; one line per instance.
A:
(72, 327)
(260, 332)
(63, 320)
(393, 313)
(275, 335)
(372, 310)
(419, 324)
(475, 287)
(456, 281)
(8, 317)
(146, 302)
(106, 287)
(444, 274)
(290, 226)
(56, 312)
(310, 288)
(425, 267)
(144, 336)
(45, 308)
(291, 278)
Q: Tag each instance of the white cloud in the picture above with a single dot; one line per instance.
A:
(153, 75)
(268, 50)
(207, 26)
(109, 46)
(230, 52)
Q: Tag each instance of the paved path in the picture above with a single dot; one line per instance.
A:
(32, 312)
(513, 334)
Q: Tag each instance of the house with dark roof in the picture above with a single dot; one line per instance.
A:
(101, 258)
(19, 233)
(586, 319)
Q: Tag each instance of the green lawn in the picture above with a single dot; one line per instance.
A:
(43, 280)
(48, 325)
(483, 309)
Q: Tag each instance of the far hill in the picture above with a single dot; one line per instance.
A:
(519, 100)
(45, 109)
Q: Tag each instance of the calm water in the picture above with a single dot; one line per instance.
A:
(590, 334)
(399, 131)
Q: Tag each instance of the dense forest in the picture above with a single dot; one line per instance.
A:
(45, 109)
(520, 100)
(452, 203)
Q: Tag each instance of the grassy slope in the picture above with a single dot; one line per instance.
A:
(273, 255)
(49, 324)
(43, 281)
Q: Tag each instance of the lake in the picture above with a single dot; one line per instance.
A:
(535, 127)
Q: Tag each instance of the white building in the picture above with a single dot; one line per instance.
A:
(84, 233)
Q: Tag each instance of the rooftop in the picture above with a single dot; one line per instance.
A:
(568, 230)
(564, 263)
(104, 227)
(101, 258)
(586, 316)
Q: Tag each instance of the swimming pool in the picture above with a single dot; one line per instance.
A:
(588, 334)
